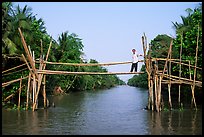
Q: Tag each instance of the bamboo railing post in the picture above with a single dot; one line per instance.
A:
(147, 67)
(159, 93)
(144, 43)
(44, 92)
(167, 59)
(196, 58)
(41, 49)
(155, 86)
(28, 90)
(19, 95)
(179, 98)
(150, 76)
(169, 85)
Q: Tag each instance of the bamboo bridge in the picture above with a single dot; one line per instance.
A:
(156, 77)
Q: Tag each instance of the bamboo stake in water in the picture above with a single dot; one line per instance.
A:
(19, 95)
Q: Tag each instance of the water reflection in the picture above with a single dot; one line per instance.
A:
(175, 122)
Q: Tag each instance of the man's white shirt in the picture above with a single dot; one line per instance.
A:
(135, 58)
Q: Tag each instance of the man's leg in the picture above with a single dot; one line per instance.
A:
(132, 67)
(136, 67)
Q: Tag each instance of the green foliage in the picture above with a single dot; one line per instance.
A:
(187, 33)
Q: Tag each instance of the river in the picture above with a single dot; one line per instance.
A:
(115, 111)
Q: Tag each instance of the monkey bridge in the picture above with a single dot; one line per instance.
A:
(37, 76)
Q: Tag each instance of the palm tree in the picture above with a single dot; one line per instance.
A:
(8, 46)
(186, 23)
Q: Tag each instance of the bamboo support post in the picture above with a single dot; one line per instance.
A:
(144, 43)
(41, 76)
(196, 58)
(169, 85)
(159, 93)
(34, 88)
(19, 95)
(179, 98)
(28, 90)
(44, 92)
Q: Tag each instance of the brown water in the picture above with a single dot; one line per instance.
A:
(116, 111)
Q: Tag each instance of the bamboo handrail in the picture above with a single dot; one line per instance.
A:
(185, 79)
(181, 82)
(187, 65)
(12, 81)
(87, 64)
(13, 68)
(13, 93)
(174, 61)
(86, 73)
(14, 72)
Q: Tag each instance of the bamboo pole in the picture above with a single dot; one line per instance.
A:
(34, 88)
(12, 81)
(13, 68)
(179, 98)
(169, 85)
(19, 95)
(27, 64)
(41, 76)
(85, 73)
(144, 43)
(27, 52)
(181, 82)
(155, 86)
(87, 64)
(173, 61)
(14, 72)
(28, 90)
(44, 92)
(150, 76)
(184, 79)
(196, 58)
(167, 59)
(184, 64)
(159, 93)
(13, 94)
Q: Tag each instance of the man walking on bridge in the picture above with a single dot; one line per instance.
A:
(134, 60)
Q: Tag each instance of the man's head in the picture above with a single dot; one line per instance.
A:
(133, 50)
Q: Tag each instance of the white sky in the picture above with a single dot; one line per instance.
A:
(109, 30)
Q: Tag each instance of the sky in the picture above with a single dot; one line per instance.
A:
(110, 30)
